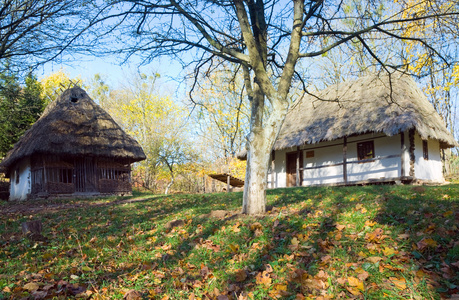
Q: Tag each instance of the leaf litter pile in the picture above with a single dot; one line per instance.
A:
(372, 242)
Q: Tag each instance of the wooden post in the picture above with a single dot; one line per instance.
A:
(228, 183)
(345, 160)
(412, 148)
(273, 165)
(45, 176)
(297, 166)
(402, 154)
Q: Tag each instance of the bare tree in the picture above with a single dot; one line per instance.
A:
(37, 31)
(267, 39)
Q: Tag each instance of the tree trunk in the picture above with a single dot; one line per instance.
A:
(254, 199)
(169, 186)
(260, 144)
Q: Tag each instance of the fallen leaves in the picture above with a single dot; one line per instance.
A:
(356, 286)
(31, 286)
(241, 275)
(374, 259)
(375, 236)
(133, 295)
(318, 248)
(400, 283)
(425, 243)
(263, 278)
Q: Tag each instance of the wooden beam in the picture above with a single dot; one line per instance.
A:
(228, 186)
(353, 162)
(411, 151)
(345, 160)
(402, 154)
(297, 183)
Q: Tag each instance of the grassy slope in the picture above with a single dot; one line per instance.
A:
(370, 242)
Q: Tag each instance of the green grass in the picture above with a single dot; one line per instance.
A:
(371, 242)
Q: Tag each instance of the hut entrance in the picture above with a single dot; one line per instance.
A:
(294, 161)
(85, 175)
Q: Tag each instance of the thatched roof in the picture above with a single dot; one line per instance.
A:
(369, 104)
(378, 103)
(75, 125)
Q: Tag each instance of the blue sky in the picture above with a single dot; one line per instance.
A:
(110, 69)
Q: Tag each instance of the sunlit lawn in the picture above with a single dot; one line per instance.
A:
(371, 242)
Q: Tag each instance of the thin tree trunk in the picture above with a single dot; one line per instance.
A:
(169, 186)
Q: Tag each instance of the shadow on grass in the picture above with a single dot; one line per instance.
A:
(310, 241)
(412, 230)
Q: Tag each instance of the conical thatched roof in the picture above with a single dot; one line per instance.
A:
(75, 125)
(378, 103)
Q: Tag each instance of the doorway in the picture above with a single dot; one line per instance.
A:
(291, 167)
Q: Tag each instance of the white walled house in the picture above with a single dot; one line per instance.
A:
(378, 128)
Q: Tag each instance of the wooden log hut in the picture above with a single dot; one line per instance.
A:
(74, 149)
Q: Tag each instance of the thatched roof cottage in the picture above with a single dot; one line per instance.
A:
(378, 128)
(75, 148)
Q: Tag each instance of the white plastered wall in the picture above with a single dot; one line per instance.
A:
(430, 169)
(379, 169)
(20, 189)
(330, 153)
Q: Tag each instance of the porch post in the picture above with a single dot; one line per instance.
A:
(345, 160)
(45, 176)
(412, 146)
(227, 183)
(402, 154)
(297, 166)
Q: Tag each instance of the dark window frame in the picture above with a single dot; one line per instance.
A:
(365, 150)
(425, 149)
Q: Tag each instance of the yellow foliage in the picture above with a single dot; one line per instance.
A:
(56, 82)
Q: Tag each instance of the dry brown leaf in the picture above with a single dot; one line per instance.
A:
(370, 223)
(403, 236)
(263, 278)
(241, 275)
(400, 283)
(37, 295)
(340, 227)
(279, 291)
(268, 268)
(31, 286)
(375, 236)
(132, 295)
(354, 291)
(338, 236)
(256, 226)
(388, 251)
(363, 275)
(374, 259)
(355, 282)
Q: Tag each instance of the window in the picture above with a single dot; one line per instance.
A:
(365, 150)
(425, 150)
(16, 174)
(310, 154)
